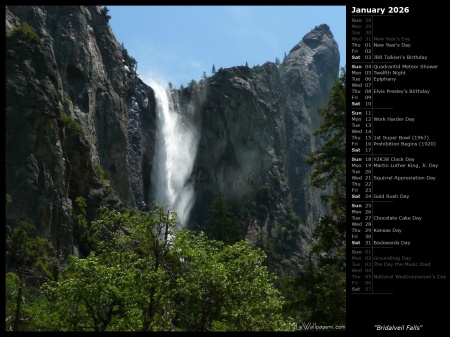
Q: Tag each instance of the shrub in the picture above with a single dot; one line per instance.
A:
(71, 124)
(104, 176)
(69, 103)
(26, 32)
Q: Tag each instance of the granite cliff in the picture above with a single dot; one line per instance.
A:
(80, 123)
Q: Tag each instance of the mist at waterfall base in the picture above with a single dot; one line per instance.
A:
(175, 151)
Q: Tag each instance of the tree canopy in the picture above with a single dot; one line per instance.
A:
(143, 275)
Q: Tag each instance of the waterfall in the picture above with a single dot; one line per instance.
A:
(175, 151)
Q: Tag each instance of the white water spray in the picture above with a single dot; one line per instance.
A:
(175, 151)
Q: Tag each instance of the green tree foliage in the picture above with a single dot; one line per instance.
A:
(8, 200)
(213, 69)
(72, 127)
(103, 175)
(12, 285)
(81, 227)
(120, 285)
(25, 32)
(29, 262)
(266, 244)
(142, 275)
(27, 254)
(227, 287)
(315, 294)
(329, 160)
(223, 224)
(26, 303)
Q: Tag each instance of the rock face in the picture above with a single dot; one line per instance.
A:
(307, 76)
(256, 127)
(67, 119)
(80, 123)
(141, 134)
(257, 123)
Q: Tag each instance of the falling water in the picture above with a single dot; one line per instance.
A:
(175, 151)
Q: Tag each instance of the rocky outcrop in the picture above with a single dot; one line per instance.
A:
(242, 131)
(67, 130)
(256, 126)
(141, 134)
(258, 123)
(307, 75)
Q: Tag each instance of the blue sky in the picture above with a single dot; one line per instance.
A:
(178, 43)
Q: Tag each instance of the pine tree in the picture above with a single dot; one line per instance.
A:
(28, 264)
(328, 161)
(192, 84)
(204, 78)
(223, 225)
(104, 12)
(213, 69)
(277, 61)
